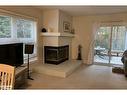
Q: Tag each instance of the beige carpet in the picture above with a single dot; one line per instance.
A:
(86, 77)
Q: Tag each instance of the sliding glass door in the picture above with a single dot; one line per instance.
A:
(102, 45)
(118, 44)
(110, 44)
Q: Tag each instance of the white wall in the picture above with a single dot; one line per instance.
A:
(54, 19)
(64, 17)
(51, 19)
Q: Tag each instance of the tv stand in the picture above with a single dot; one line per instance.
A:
(20, 76)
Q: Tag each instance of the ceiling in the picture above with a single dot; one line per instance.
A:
(88, 10)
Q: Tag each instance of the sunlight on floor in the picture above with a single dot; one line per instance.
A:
(105, 59)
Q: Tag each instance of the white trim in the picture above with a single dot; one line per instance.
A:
(58, 34)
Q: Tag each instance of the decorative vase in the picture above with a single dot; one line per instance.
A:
(79, 53)
(43, 30)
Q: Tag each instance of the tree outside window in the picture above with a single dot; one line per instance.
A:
(118, 37)
(24, 28)
(102, 39)
(5, 27)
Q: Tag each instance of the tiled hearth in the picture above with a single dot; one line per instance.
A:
(62, 70)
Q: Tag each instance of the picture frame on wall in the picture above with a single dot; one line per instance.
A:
(66, 27)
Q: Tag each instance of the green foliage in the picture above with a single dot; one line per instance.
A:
(5, 27)
(102, 39)
(118, 37)
(23, 28)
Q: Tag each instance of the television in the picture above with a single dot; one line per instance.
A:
(11, 54)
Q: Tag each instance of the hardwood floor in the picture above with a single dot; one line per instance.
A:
(85, 77)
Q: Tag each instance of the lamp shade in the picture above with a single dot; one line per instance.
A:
(29, 48)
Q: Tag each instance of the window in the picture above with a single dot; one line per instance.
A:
(5, 27)
(118, 39)
(24, 28)
(103, 35)
(17, 30)
(25, 32)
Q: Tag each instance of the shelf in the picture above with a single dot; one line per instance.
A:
(58, 34)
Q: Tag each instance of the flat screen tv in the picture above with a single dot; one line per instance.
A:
(11, 54)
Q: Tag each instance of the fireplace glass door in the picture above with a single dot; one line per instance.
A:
(56, 55)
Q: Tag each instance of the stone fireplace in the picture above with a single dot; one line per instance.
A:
(56, 54)
(56, 47)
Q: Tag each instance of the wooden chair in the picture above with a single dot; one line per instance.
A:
(7, 76)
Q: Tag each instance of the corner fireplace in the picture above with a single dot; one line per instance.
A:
(56, 54)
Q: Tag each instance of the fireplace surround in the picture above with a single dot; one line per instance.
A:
(56, 54)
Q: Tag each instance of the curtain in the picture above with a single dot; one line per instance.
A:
(92, 43)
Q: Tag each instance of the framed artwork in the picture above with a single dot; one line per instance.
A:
(66, 27)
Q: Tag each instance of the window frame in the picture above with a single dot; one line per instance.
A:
(15, 39)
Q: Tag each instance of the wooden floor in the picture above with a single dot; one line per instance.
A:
(85, 77)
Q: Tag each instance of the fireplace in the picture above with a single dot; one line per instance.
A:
(56, 54)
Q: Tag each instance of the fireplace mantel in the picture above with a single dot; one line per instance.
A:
(57, 34)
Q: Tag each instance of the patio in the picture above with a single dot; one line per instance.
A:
(115, 60)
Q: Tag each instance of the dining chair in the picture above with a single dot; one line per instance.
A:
(7, 77)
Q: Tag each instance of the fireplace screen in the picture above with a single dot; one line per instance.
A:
(56, 55)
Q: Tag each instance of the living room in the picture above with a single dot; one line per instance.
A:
(73, 26)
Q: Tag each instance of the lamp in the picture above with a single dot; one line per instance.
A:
(29, 48)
